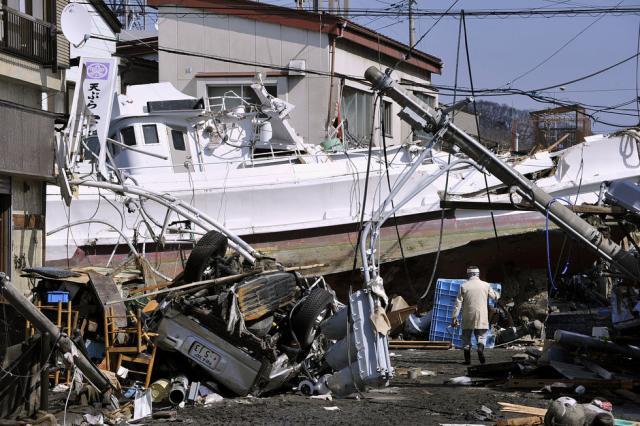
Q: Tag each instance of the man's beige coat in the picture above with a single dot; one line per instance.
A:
(472, 298)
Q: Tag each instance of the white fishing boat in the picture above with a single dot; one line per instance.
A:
(244, 165)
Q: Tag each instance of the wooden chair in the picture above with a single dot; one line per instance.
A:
(61, 314)
(142, 359)
(134, 347)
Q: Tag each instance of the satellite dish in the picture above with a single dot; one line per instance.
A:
(76, 24)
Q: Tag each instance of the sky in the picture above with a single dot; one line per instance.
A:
(501, 49)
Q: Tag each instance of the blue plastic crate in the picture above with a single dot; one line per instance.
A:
(444, 302)
(57, 296)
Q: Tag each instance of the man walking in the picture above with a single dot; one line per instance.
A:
(472, 299)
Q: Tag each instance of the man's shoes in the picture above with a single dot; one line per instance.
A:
(467, 357)
(481, 353)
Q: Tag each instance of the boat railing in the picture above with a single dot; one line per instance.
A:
(220, 104)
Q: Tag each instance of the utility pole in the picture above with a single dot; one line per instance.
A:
(412, 28)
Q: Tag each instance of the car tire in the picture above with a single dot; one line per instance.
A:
(212, 244)
(307, 318)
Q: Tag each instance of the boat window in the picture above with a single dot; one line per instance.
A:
(150, 132)
(128, 136)
(177, 137)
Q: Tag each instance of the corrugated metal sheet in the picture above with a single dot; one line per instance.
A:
(26, 140)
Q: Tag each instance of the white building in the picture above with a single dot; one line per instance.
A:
(208, 47)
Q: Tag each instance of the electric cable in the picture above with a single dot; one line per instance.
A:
(395, 219)
(436, 261)
(558, 50)
(637, 67)
(411, 48)
(366, 188)
(477, 119)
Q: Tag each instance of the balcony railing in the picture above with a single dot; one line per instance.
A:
(27, 37)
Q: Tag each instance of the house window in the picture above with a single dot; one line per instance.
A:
(387, 118)
(128, 136)
(177, 138)
(430, 100)
(244, 91)
(426, 98)
(150, 132)
(357, 108)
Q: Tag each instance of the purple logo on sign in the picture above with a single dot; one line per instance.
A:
(97, 70)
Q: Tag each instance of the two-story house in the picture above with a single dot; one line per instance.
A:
(33, 59)
(315, 61)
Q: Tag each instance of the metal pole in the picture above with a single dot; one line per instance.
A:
(45, 348)
(412, 28)
(42, 323)
(558, 213)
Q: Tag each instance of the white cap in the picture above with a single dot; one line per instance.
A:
(473, 270)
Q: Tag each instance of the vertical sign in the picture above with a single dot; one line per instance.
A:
(99, 77)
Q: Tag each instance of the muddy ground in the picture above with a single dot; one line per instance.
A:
(425, 400)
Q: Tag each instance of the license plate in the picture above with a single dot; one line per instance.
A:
(204, 355)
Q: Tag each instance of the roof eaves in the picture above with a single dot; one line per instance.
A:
(110, 18)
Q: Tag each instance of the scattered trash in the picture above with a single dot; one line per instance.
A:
(160, 390)
(333, 408)
(142, 405)
(459, 381)
(325, 397)
(484, 414)
(91, 419)
(212, 398)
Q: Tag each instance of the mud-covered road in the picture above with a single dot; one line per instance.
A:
(425, 400)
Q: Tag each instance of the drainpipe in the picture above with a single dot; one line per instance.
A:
(341, 26)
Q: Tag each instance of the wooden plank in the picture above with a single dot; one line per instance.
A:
(108, 294)
(521, 409)
(521, 421)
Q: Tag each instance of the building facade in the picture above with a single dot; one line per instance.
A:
(33, 58)
(314, 61)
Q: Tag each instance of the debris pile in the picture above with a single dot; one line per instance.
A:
(222, 328)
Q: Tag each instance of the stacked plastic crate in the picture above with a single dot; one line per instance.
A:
(444, 302)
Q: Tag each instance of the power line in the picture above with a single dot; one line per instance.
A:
(254, 9)
(638, 66)
(412, 46)
(558, 50)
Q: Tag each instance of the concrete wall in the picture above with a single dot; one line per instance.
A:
(257, 42)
